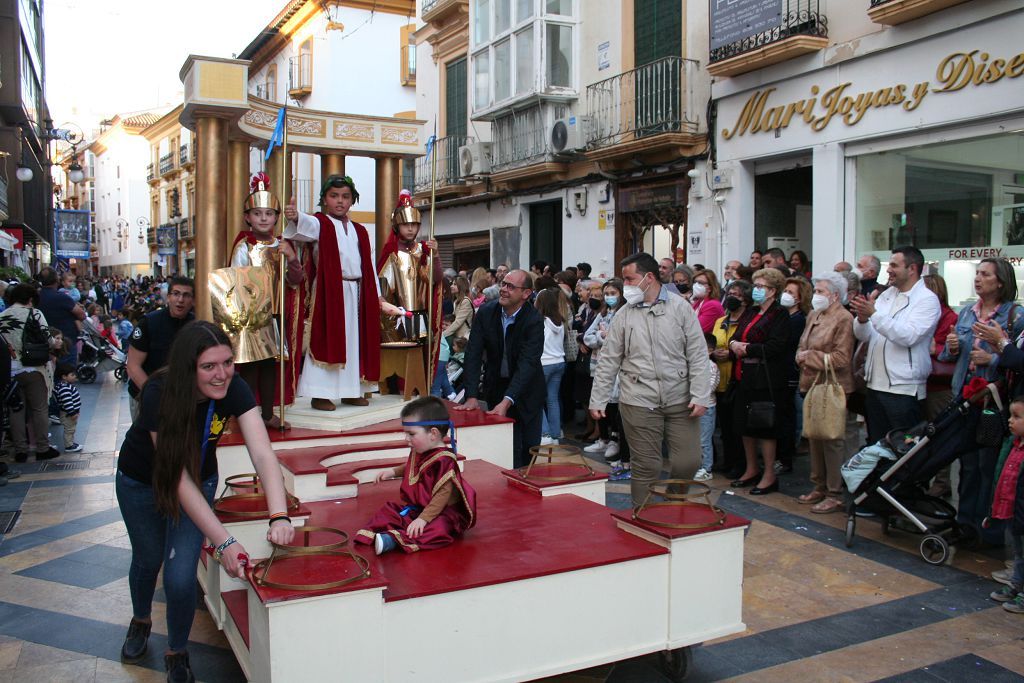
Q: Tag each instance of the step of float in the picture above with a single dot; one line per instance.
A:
(344, 417)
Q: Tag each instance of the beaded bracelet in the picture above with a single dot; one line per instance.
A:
(228, 542)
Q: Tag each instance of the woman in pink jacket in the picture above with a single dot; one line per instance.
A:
(706, 298)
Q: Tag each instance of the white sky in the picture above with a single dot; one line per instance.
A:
(123, 56)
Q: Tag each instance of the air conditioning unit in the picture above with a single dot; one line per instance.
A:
(570, 134)
(475, 159)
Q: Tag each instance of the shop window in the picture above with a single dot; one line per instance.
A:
(958, 202)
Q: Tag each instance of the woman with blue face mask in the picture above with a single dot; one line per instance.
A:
(612, 441)
(759, 346)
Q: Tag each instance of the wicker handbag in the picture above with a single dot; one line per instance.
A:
(825, 406)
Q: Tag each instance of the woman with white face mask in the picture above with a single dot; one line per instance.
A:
(829, 330)
(705, 297)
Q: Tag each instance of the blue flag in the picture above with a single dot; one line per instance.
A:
(430, 144)
(277, 137)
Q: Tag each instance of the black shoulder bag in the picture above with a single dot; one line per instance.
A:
(35, 342)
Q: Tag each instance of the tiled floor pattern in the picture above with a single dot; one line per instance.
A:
(814, 609)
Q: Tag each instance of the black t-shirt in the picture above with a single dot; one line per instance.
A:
(154, 335)
(137, 451)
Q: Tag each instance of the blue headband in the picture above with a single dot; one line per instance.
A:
(435, 423)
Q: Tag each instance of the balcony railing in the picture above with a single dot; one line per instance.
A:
(300, 75)
(150, 173)
(185, 154)
(167, 163)
(186, 228)
(651, 99)
(3, 200)
(893, 12)
(520, 138)
(799, 18)
(876, 3)
(447, 151)
(431, 10)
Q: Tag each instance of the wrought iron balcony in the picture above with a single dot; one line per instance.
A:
(434, 10)
(803, 28)
(4, 215)
(150, 173)
(167, 163)
(186, 229)
(520, 138)
(648, 100)
(185, 154)
(894, 12)
(447, 151)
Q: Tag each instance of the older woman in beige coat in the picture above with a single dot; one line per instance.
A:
(829, 331)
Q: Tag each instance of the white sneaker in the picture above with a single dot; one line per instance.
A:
(598, 446)
(703, 475)
(612, 452)
(452, 396)
(548, 441)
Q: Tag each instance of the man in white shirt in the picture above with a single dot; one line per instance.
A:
(898, 326)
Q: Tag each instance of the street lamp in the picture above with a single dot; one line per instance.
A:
(122, 229)
(24, 173)
(144, 225)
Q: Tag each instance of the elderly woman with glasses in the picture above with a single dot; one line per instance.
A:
(828, 334)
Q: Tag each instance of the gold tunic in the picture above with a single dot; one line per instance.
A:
(404, 282)
(245, 300)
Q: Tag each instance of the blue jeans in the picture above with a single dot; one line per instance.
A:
(157, 540)
(1016, 544)
(442, 386)
(707, 434)
(551, 422)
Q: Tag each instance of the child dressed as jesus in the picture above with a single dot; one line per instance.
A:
(437, 505)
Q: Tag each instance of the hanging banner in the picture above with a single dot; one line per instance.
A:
(167, 240)
(71, 233)
(734, 20)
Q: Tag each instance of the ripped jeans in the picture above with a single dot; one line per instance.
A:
(157, 540)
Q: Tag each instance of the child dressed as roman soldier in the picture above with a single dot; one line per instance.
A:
(246, 300)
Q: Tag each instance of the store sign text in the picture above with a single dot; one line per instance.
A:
(954, 73)
(977, 253)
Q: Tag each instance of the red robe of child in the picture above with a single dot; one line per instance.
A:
(424, 477)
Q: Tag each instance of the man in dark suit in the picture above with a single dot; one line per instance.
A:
(508, 338)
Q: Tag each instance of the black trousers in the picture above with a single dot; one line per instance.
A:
(525, 435)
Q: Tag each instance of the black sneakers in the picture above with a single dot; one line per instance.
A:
(135, 642)
(48, 454)
(178, 669)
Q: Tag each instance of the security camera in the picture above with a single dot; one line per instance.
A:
(693, 173)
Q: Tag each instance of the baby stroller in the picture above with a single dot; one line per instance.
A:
(99, 355)
(891, 478)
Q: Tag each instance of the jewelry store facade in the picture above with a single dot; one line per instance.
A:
(912, 134)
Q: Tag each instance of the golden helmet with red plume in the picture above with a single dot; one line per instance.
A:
(260, 196)
(405, 212)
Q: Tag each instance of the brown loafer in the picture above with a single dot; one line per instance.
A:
(323, 404)
(355, 401)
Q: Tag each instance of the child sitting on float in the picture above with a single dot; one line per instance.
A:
(437, 506)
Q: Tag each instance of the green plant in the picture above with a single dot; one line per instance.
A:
(15, 273)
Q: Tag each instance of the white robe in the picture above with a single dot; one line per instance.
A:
(336, 381)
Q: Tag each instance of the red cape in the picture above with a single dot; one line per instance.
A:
(391, 247)
(327, 331)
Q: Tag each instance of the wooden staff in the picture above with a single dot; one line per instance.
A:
(430, 266)
(284, 268)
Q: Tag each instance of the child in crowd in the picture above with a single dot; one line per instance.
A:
(442, 384)
(707, 420)
(124, 326)
(436, 505)
(70, 403)
(1008, 506)
(108, 333)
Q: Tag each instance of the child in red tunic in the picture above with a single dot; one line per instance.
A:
(1008, 505)
(436, 505)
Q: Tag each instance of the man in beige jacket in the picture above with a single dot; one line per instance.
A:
(656, 348)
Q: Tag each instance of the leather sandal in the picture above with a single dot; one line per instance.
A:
(826, 506)
(811, 498)
(275, 423)
(355, 401)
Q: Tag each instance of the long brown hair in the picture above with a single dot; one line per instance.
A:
(549, 305)
(461, 284)
(177, 445)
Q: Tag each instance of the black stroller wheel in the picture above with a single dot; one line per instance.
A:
(934, 549)
(86, 374)
(121, 373)
(851, 529)
(675, 664)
